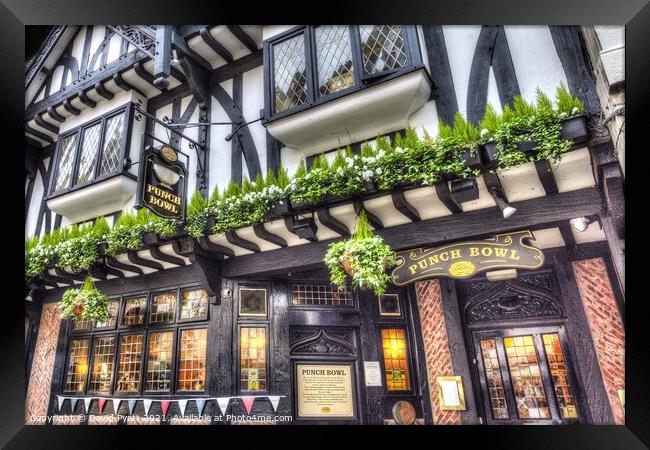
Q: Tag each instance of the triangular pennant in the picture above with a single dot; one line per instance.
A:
(223, 403)
(118, 404)
(182, 404)
(132, 406)
(87, 401)
(147, 406)
(60, 401)
(164, 404)
(73, 403)
(200, 404)
(102, 403)
(275, 400)
(248, 403)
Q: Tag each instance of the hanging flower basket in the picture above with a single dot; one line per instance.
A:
(85, 303)
(364, 258)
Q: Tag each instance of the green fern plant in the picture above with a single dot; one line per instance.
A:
(567, 104)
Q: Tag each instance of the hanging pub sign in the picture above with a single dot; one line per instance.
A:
(465, 259)
(162, 182)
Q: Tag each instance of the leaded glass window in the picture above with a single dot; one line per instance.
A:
(290, 76)
(134, 309)
(320, 295)
(559, 376)
(253, 359)
(112, 144)
(130, 364)
(159, 361)
(66, 160)
(101, 377)
(194, 304)
(113, 308)
(81, 325)
(191, 363)
(77, 369)
(396, 366)
(334, 59)
(383, 48)
(163, 307)
(494, 380)
(88, 153)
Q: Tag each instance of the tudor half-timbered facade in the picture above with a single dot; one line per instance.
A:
(251, 311)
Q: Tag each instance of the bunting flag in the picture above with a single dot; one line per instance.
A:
(87, 401)
(147, 406)
(200, 405)
(182, 404)
(248, 403)
(60, 400)
(73, 403)
(164, 404)
(119, 403)
(275, 400)
(132, 406)
(223, 404)
(102, 403)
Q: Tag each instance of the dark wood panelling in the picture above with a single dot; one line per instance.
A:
(443, 84)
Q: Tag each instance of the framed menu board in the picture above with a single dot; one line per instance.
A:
(324, 391)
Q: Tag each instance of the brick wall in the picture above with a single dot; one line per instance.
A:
(40, 379)
(607, 330)
(436, 347)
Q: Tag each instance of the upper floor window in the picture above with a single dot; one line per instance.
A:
(91, 151)
(313, 64)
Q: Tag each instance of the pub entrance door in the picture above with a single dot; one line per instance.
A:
(522, 365)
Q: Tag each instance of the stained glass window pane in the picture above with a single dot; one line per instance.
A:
(194, 304)
(130, 365)
(559, 376)
(289, 73)
(320, 294)
(191, 364)
(113, 307)
(75, 378)
(88, 157)
(134, 309)
(163, 307)
(334, 59)
(112, 144)
(526, 378)
(159, 361)
(395, 359)
(101, 377)
(383, 48)
(493, 378)
(253, 359)
(66, 159)
(81, 325)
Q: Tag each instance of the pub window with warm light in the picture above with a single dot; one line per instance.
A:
(159, 361)
(191, 363)
(253, 359)
(395, 359)
(101, 377)
(75, 379)
(130, 364)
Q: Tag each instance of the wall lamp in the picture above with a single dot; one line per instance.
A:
(501, 202)
(175, 61)
(580, 224)
(464, 190)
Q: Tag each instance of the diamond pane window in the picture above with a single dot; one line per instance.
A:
(66, 158)
(112, 144)
(163, 307)
(75, 377)
(130, 365)
(191, 364)
(194, 304)
(383, 48)
(395, 359)
(101, 377)
(526, 378)
(253, 359)
(559, 375)
(289, 72)
(159, 361)
(334, 59)
(494, 380)
(88, 156)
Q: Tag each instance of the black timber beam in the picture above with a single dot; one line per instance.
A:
(215, 45)
(244, 38)
(137, 259)
(551, 208)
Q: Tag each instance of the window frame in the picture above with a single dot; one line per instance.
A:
(362, 81)
(353, 307)
(127, 109)
(409, 359)
(118, 354)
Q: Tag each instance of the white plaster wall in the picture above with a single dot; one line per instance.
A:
(272, 30)
(220, 153)
(98, 36)
(114, 48)
(35, 204)
(253, 104)
(461, 42)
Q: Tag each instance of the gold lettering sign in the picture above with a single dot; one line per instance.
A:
(162, 182)
(465, 259)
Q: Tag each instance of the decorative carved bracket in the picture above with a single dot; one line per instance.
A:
(207, 266)
(198, 80)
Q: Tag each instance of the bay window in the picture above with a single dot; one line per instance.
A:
(313, 64)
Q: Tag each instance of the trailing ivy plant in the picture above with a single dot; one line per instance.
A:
(85, 303)
(365, 256)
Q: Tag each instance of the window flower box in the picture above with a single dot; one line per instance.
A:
(471, 157)
(489, 153)
(149, 238)
(528, 147)
(369, 186)
(101, 248)
(282, 208)
(575, 129)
